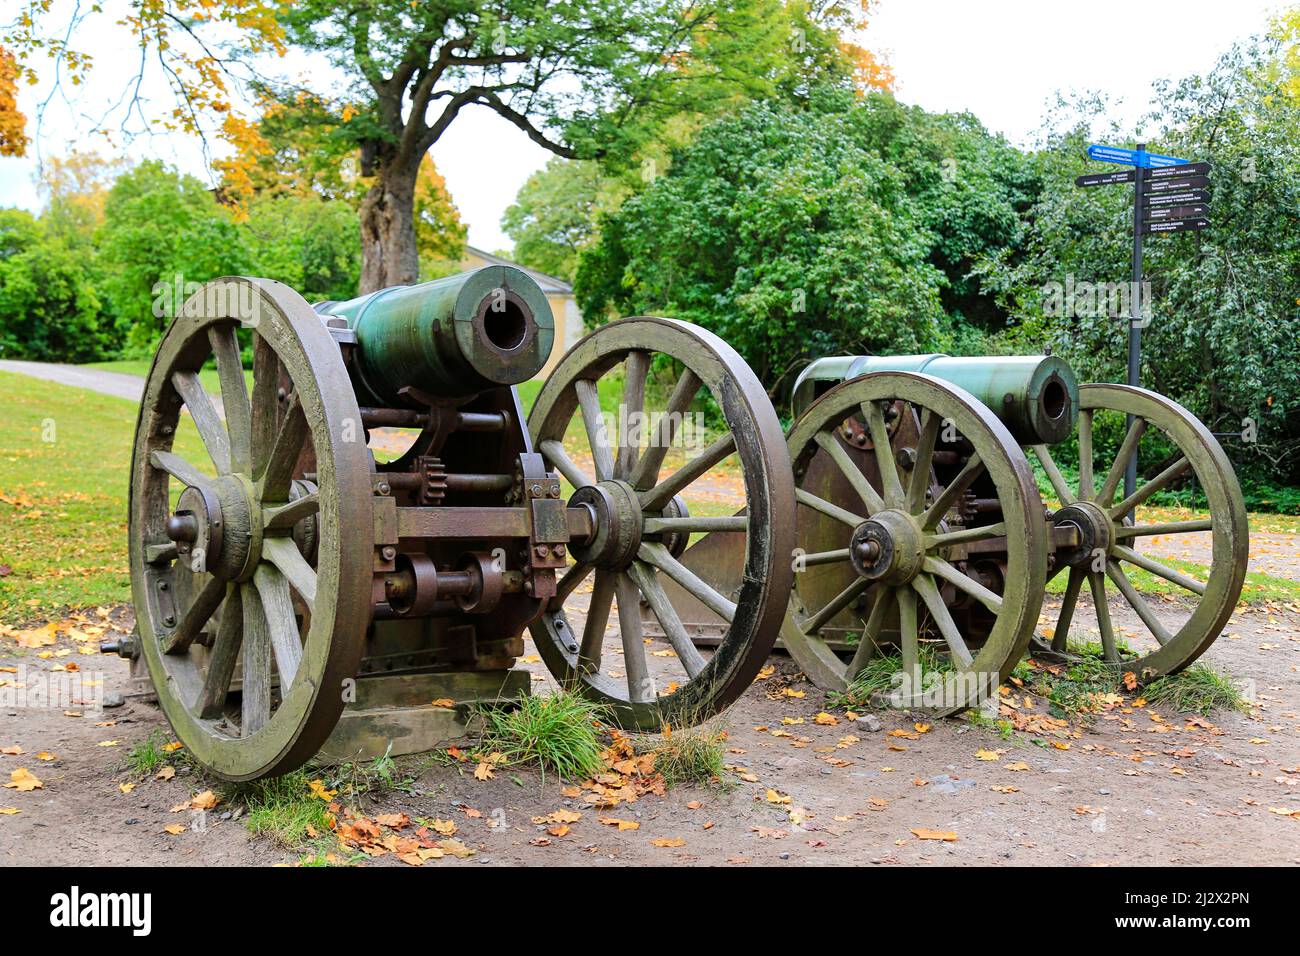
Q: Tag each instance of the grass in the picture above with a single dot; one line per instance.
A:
(1257, 589)
(140, 369)
(1081, 689)
(284, 810)
(878, 677)
(559, 732)
(691, 755)
(148, 757)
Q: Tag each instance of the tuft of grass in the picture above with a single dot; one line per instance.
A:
(148, 756)
(691, 755)
(878, 678)
(559, 732)
(284, 809)
(1197, 689)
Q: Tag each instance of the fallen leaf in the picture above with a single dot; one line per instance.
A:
(444, 702)
(204, 801)
(621, 824)
(175, 829)
(23, 781)
(668, 841)
(924, 833)
(126, 787)
(166, 773)
(317, 788)
(774, 796)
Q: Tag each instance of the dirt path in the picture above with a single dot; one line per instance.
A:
(1139, 786)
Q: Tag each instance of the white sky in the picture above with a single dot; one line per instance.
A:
(1000, 59)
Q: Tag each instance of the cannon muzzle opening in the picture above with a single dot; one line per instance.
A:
(448, 338)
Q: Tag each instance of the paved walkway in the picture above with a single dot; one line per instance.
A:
(116, 384)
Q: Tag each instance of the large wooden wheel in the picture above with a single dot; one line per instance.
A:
(251, 571)
(919, 525)
(645, 521)
(1163, 437)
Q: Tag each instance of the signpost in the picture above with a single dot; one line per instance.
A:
(1168, 196)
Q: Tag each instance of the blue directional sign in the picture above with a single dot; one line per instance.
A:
(1131, 157)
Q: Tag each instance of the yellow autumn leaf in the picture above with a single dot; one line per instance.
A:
(774, 796)
(925, 833)
(668, 841)
(175, 829)
(24, 781)
(317, 788)
(126, 787)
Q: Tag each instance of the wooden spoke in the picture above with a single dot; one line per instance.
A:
(221, 662)
(196, 616)
(1085, 454)
(962, 582)
(948, 497)
(1159, 570)
(831, 445)
(288, 515)
(282, 622)
(924, 586)
(1097, 584)
(1072, 587)
(828, 509)
(594, 422)
(289, 440)
(1143, 609)
(657, 555)
(696, 524)
(1054, 474)
(664, 612)
(646, 472)
(867, 647)
(180, 469)
(823, 557)
(209, 424)
(885, 461)
(981, 533)
(558, 457)
(919, 482)
(160, 553)
(1126, 452)
(265, 405)
(1162, 480)
(569, 583)
(256, 691)
(635, 368)
(1170, 527)
(640, 686)
(593, 633)
(284, 554)
(234, 395)
(909, 636)
(836, 604)
(657, 497)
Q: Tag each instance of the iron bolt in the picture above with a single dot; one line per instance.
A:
(542, 551)
(558, 550)
(389, 552)
(385, 488)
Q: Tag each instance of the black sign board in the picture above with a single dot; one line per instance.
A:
(1175, 212)
(1105, 179)
(1178, 182)
(1175, 198)
(1174, 225)
(1174, 172)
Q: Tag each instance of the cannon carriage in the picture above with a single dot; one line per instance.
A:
(298, 592)
(922, 533)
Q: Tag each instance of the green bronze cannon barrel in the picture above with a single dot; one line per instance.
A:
(449, 338)
(1035, 396)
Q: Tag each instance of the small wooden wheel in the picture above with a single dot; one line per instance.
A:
(643, 521)
(1165, 438)
(251, 610)
(919, 524)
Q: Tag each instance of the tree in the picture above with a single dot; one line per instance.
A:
(13, 124)
(75, 188)
(552, 217)
(308, 243)
(48, 307)
(163, 232)
(799, 231)
(439, 233)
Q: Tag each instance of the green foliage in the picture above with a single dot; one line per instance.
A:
(848, 225)
(310, 244)
(49, 309)
(147, 756)
(160, 225)
(691, 755)
(284, 809)
(559, 732)
(553, 214)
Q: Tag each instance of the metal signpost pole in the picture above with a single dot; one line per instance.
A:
(1135, 310)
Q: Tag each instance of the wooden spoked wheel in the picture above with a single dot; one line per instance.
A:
(251, 582)
(943, 546)
(644, 520)
(1165, 439)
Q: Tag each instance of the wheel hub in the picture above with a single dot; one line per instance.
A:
(617, 519)
(217, 529)
(889, 547)
(1096, 532)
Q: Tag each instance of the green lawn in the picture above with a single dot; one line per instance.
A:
(140, 368)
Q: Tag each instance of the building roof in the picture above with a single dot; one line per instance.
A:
(548, 283)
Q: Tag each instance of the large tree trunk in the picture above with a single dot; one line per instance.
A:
(388, 253)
